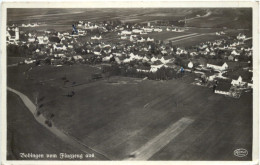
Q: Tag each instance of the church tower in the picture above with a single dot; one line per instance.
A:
(16, 33)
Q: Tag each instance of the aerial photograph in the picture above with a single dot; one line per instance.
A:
(129, 84)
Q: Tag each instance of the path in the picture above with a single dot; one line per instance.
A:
(161, 140)
(64, 137)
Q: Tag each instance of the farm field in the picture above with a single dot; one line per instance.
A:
(118, 116)
(196, 39)
(166, 35)
(25, 135)
(67, 16)
(14, 60)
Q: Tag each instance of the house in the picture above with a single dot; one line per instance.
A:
(29, 61)
(241, 37)
(145, 59)
(157, 30)
(97, 53)
(125, 32)
(59, 47)
(164, 61)
(31, 39)
(107, 58)
(190, 65)
(153, 59)
(212, 53)
(81, 32)
(154, 68)
(77, 57)
(193, 53)
(235, 53)
(150, 39)
(96, 38)
(117, 59)
(238, 82)
(141, 40)
(43, 39)
(123, 37)
(223, 88)
(142, 68)
(60, 55)
(218, 67)
(148, 30)
(180, 51)
(137, 31)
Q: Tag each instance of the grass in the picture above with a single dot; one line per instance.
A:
(25, 135)
(165, 35)
(118, 116)
(196, 40)
(14, 60)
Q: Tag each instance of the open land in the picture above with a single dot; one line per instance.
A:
(119, 115)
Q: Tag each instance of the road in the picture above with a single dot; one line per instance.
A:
(63, 136)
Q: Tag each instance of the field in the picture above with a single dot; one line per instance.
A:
(14, 60)
(121, 116)
(25, 135)
(166, 34)
(234, 18)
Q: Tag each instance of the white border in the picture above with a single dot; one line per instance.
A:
(136, 4)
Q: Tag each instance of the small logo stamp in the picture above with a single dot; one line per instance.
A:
(241, 152)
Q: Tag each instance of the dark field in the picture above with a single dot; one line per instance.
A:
(120, 115)
(218, 17)
(25, 135)
(14, 60)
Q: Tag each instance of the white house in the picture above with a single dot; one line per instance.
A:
(125, 32)
(123, 37)
(43, 39)
(141, 40)
(190, 65)
(241, 37)
(59, 47)
(97, 53)
(96, 38)
(237, 82)
(193, 53)
(235, 53)
(153, 59)
(137, 31)
(77, 57)
(147, 29)
(218, 67)
(157, 30)
(31, 39)
(154, 68)
(61, 55)
(150, 39)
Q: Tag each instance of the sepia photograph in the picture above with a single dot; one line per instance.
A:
(129, 83)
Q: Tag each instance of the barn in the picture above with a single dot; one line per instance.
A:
(223, 88)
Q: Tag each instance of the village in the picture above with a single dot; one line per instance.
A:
(224, 64)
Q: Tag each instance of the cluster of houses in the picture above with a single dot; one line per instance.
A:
(132, 47)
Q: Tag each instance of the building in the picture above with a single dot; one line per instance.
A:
(223, 88)
(17, 34)
(190, 65)
(218, 67)
(238, 82)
